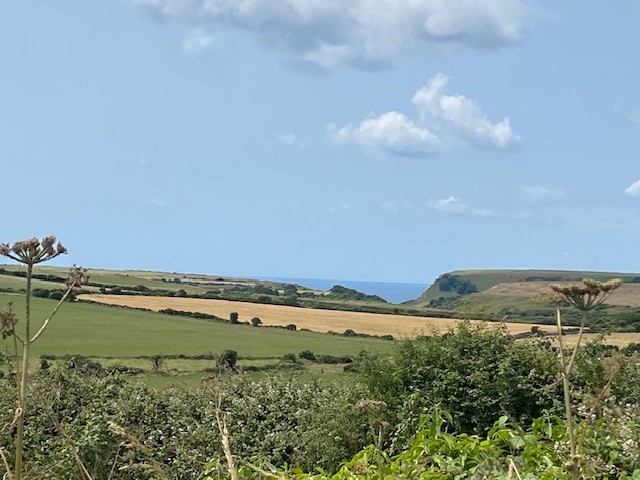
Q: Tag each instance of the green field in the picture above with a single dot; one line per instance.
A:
(103, 331)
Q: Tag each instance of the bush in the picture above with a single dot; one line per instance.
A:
(308, 355)
(476, 374)
(255, 321)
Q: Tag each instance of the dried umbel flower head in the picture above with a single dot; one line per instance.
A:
(7, 321)
(585, 296)
(78, 277)
(370, 406)
(33, 251)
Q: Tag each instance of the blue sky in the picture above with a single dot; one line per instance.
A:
(385, 140)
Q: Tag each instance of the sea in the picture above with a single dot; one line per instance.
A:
(391, 292)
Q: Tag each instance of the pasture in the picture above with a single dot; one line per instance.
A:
(105, 331)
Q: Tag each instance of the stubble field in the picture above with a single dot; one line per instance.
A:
(317, 320)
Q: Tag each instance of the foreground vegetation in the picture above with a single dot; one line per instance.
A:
(470, 403)
(430, 405)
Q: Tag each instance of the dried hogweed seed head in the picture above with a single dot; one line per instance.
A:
(589, 294)
(78, 276)
(33, 251)
(47, 244)
(551, 297)
(370, 406)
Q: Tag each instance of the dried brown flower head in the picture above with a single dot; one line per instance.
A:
(33, 251)
(584, 297)
(78, 277)
(7, 321)
(370, 406)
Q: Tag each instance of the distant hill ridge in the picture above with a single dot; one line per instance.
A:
(463, 282)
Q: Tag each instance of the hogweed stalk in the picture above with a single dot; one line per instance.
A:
(30, 253)
(583, 297)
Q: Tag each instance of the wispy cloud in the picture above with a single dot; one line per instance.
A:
(633, 189)
(341, 206)
(445, 123)
(538, 193)
(196, 41)
(355, 33)
(635, 116)
(157, 202)
(455, 206)
(289, 139)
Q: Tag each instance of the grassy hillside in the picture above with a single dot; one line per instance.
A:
(485, 279)
(507, 295)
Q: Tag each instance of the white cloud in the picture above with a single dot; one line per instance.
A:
(633, 189)
(158, 203)
(454, 206)
(635, 116)
(538, 193)
(357, 33)
(446, 122)
(288, 139)
(392, 132)
(196, 41)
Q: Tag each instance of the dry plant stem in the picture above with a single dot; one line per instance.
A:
(566, 388)
(575, 348)
(5, 464)
(226, 444)
(513, 469)
(55, 310)
(22, 391)
(79, 463)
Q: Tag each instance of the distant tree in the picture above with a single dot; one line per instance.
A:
(255, 321)
(233, 318)
(177, 280)
(308, 355)
(290, 290)
(181, 293)
(291, 326)
(291, 301)
(228, 359)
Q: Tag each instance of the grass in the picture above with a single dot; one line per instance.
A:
(103, 331)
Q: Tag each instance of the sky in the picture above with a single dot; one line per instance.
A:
(379, 140)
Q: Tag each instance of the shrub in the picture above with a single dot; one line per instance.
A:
(307, 355)
(476, 374)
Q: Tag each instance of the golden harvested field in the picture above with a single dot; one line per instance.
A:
(628, 294)
(618, 339)
(400, 326)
